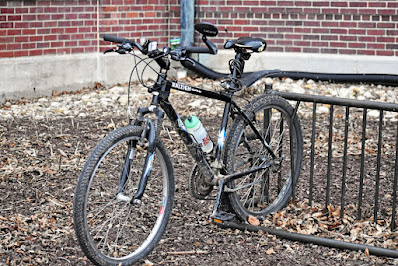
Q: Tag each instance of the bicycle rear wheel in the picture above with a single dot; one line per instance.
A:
(110, 229)
(266, 190)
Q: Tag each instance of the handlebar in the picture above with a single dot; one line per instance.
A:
(110, 38)
(197, 50)
(122, 41)
(179, 54)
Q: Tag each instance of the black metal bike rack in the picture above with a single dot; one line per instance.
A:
(334, 103)
(383, 252)
(348, 105)
(351, 103)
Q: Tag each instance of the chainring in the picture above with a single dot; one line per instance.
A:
(197, 186)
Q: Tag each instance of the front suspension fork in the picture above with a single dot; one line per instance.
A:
(149, 131)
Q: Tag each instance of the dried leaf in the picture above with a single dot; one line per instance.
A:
(148, 263)
(111, 125)
(253, 220)
(317, 214)
(62, 153)
(270, 251)
(367, 252)
(276, 216)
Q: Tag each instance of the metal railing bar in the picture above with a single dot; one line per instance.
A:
(362, 170)
(394, 192)
(267, 125)
(378, 165)
(312, 153)
(393, 107)
(292, 157)
(343, 185)
(281, 129)
(330, 141)
(332, 243)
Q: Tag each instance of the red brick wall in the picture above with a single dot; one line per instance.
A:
(29, 28)
(41, 27)
(336, 27)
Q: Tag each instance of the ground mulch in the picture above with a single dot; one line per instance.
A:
(40, 162)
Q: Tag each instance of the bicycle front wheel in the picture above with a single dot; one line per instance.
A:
(269, 189)
(110, 229)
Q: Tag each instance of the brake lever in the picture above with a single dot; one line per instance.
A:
(189, 60)
(179, 54)
(110, 50)
(126, 46)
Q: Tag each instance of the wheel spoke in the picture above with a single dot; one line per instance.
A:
(114, 229)
(260, 194)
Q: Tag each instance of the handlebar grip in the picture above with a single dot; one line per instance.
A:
(111, 38)
(198, 50)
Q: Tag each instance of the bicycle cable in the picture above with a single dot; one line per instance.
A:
(140, 77)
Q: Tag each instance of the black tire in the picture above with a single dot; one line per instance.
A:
(110, 229)
(267, 190)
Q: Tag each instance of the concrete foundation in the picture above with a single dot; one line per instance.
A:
(28, 77)
(320, 63)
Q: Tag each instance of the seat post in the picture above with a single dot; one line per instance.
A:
(236, 67)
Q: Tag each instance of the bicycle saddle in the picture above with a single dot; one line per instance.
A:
(255, 44)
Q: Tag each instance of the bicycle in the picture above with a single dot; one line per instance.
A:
(125, 191)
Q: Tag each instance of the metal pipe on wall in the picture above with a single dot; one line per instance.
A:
(187, 22)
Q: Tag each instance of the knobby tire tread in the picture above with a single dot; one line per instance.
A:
(233, 138)
(83, 184)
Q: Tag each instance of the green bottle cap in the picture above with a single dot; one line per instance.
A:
(191, 121)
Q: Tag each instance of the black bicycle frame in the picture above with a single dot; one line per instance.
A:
(161, 91)
(193, 147)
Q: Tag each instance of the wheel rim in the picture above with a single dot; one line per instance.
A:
(116, 228)
(264, 191)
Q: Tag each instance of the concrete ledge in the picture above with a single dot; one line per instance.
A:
(321, 63)
(28, 77)
(42, 75)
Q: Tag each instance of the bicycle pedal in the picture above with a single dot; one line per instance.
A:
(222, 216)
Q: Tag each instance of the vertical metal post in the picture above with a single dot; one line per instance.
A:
(378, 166)
(330, 141)
(267, 133)
(312, 153)
(343, 185)
(280, 147)
(394, 192)
(187, 22)
(362, 170)
(292, 151)
(267, 130)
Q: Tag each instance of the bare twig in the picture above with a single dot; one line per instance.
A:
(77, 147)
(64, 259)
(188, 252)
(59, 163)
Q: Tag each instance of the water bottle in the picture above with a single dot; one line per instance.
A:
(199, 133)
